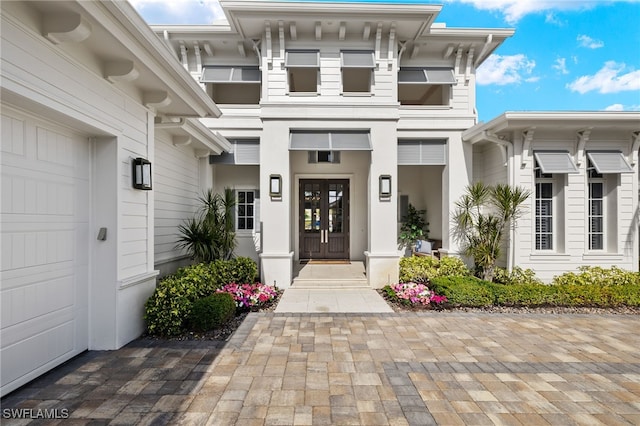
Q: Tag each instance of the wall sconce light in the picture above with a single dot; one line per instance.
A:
(385, 186)
(141, 172)
(275, 186)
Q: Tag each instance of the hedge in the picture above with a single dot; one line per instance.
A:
(168, 309)
(473, 292)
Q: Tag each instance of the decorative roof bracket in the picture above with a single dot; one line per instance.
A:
(527, 138)
(467, 72)
(635, 145)
(583, 138)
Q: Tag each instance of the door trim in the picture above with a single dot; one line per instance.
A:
(295, 207)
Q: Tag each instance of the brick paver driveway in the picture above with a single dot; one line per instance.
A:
(371, 369)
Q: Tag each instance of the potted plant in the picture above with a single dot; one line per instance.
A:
(414, 227)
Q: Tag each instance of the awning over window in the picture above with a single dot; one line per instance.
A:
(427, 152)
(357, 59)
(230, 75)
(244, 151)
(426, 76)
(339, 140)
(555, 162)
(609, 162)
(302, 59)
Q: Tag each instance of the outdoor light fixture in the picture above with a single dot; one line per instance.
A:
(141, 172)
(275, 186)
(385, 186)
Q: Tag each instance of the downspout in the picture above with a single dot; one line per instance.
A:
(507, 155)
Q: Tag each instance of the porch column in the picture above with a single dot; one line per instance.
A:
(383, 254)
(275, 213)
(456, 176)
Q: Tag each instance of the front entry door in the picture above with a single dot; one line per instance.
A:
(324, 219)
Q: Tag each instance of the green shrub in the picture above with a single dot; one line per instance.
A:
(516, 276)
(464, 291)
(452, 266)
(212, 311)
(169, 307)
(418, 269)
(524, 294)
(421, 269)
(597, 275)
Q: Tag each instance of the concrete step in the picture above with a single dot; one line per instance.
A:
(324, 283)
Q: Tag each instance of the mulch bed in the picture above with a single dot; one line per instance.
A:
(401, 307)
(224, 333)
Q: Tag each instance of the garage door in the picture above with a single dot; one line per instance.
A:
(45, 244)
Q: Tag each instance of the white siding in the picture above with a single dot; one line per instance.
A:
(176, 189)
(571, 245)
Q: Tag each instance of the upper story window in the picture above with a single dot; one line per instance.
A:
(303, 70)
(425, 86)
(232, 84)
(357, 71)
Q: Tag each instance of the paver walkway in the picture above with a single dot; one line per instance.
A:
(371, 369)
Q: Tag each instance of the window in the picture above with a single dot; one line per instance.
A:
(245, 210)
(232, 84)
(425, 86)
(303, 68)
(324, 157)
(357, 71)
(544, 209)
(595, 182)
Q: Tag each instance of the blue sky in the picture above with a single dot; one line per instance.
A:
(565, 55)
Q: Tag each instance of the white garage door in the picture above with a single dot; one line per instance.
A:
(45, 243)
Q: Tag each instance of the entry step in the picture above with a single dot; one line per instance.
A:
(330, 283)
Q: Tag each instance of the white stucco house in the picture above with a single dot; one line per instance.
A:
(327, 119)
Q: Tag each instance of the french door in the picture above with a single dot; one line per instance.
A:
(324, 219)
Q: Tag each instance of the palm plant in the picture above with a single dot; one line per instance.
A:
(210, 235)
(480, 219)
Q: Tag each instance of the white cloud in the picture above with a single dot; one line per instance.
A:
(503, 70)
(589, 43)
(561, 66)
(620, 107)
(514, 10)
(178, 11)
(609, 79)
(615, 107)
(551, 18)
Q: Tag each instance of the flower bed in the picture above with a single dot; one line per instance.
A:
(413, 294)
(250, 296)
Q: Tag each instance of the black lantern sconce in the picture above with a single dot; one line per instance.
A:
(385, 186)
(141, 172)
(275, 186)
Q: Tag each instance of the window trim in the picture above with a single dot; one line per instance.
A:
(544, 178)
(236, 209)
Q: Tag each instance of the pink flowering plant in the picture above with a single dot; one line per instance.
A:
(412, 293)
(249, 296)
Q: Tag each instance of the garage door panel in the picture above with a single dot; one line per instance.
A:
(39, 352)
(28, 249)
(13, 135)
(45, 246)
(35, 300)
(25, 277)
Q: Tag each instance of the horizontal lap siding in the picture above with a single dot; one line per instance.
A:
(575, 199)
(176, 191)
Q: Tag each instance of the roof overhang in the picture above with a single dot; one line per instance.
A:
(191, 132)
(554, 120)
(111, 39)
